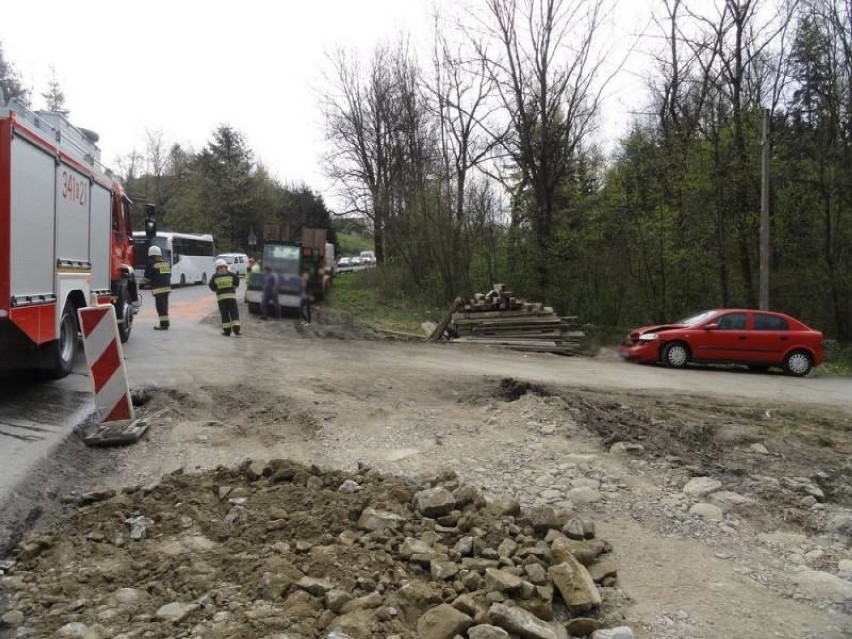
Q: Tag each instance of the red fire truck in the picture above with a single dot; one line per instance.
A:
(65, 239)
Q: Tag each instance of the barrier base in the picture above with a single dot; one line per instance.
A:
(117, 433)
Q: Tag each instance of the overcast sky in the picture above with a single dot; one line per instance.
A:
(183, 67)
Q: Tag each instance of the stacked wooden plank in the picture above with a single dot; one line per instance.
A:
(499, 318)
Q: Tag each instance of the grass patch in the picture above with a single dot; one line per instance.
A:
(352, 245)
(370, 299)
(825, 441)
(838, 360)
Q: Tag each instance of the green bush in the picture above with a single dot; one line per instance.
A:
(838, 359)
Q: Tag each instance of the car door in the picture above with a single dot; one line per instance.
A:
(728, 340)
(769, 338)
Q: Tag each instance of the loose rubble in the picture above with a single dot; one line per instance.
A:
(273, 547)
(781, 542)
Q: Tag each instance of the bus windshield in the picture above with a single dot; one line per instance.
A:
(141, 246)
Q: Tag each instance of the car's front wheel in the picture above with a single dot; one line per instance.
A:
(797, 363)
(676, 355)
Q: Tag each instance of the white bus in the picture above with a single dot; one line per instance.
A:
(190, 256)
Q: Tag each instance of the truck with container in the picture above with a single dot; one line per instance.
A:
(65, 239)
(289, 259)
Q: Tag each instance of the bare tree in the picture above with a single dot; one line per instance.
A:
(130, 167)
(362, 121)
(548, 76)
(723, 66)
(459, 96)
(156, 159)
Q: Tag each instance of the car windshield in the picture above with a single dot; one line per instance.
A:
(695, 320)
(282, 258)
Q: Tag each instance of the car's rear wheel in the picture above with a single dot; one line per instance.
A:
(797, 363)
(676, 355)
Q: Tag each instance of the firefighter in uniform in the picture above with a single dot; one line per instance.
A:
(225, 284)
(159, 275)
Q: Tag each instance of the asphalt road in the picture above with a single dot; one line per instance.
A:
(35, 417)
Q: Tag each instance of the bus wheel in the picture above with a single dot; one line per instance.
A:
(64, 348)
(183, 280)
(204, 278)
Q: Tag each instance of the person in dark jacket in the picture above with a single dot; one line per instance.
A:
(305, 302)
(270, 294)
(158, 274)
(224, 283)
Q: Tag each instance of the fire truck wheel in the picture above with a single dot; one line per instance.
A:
(125, 316)
(65, 348)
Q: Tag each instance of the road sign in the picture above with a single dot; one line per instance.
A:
(109, 377)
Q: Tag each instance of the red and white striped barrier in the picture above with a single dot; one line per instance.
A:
(106, 363)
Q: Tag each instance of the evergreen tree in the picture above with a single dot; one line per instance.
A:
(226, 164)
(10, 81)
(54, 97)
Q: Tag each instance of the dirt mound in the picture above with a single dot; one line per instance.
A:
(278, 546)
(511, 389)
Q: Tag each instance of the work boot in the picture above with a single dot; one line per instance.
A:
(237, 331)
(161, 328)
(226, 333)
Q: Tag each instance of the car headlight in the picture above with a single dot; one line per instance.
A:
(648, 337)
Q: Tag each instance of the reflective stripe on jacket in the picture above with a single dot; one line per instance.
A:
(225, 286)
(159, 274)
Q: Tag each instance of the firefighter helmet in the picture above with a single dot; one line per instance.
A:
(154, 251)
(221, 262)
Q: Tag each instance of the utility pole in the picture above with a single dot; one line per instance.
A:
(764, 214)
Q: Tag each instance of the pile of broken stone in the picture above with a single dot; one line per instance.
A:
(429, 558)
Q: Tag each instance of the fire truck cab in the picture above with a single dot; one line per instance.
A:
(65, 239)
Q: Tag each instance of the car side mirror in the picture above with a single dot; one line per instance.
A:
(711, 327)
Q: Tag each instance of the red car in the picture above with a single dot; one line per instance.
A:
(759, 339)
